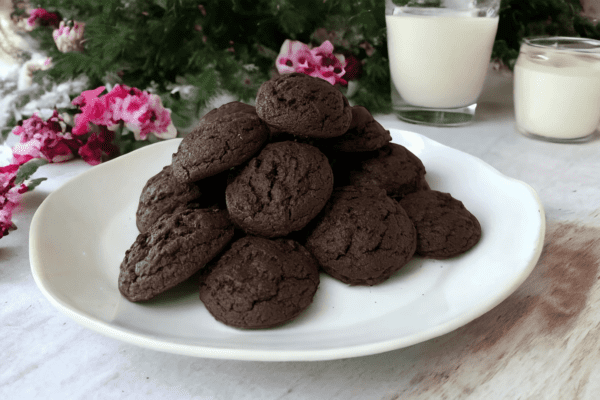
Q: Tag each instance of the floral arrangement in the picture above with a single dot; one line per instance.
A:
(45, 139)
(123, 109)
(105, 127)
(135, 114)
(319, 62)
(11, 192)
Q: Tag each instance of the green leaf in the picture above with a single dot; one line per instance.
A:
(27, 169)
(32, 184)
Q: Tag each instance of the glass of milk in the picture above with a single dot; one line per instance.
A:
(557, 88)
(439, 52)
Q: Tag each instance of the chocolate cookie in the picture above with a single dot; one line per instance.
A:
(177, 246)
(260, 283)
(445, 228)
(280, 190)
(364, 134)
(393, 168)
(217, 146)
(226, 109)
(162, 194)
(303, 105)
(362, 236)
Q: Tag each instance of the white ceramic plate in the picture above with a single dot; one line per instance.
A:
(80, 233)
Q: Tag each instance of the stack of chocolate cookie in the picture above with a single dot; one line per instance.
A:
(260, 199)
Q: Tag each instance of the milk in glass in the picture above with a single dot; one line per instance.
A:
(439, 54)
(439, 61)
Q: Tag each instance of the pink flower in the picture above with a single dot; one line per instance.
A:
(319, 62)
(10, 196)
(145, 114)
(93, 110)
(67, 38)
(44, 139)
(86, 97)
(98, 146)
(353, 68)
(141, 112)
(329, 66)
(43, 17)
(295, 56)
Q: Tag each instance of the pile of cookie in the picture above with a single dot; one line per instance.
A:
(259, 199)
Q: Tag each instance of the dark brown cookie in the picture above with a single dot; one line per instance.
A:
(280, 190)
(226, 109)
(364, 134)
(163, 194)
(303, 105)
(217, 146)
(362, 236)
(393, 168)
(260, 283)
(445, 228)
(177, 246)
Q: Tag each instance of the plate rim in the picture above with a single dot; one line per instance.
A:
(147, 341)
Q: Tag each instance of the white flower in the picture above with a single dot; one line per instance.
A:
(69, 39)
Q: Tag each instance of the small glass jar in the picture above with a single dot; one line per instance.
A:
(557, 88)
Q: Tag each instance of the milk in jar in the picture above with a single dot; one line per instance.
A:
(557, 88)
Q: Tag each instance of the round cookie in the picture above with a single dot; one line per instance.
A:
(393, 168)
(362, 236)
(303, 105)
(280, 190)
(226, 109)
(445, 228)
(217, 146)
(260, 283)
(176, 246)
(162, 194)
(364, 134)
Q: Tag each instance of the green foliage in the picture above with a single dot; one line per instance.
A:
(520, 19)
(217, 45)
(230, 45)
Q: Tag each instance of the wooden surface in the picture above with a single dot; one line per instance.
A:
(542, 342)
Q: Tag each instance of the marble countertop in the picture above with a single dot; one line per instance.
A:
(542, 342)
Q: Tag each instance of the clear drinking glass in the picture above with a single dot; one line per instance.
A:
(557, 88)
(439, 52)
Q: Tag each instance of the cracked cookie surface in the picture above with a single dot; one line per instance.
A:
(392, 167)
(303, 105)
(226, 109)
(362, 236)
(162, 194)
(260, 283)
(280, 190)
(445, 228)
(213, 147)
(176, 246)
(364, 134)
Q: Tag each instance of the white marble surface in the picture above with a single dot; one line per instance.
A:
(543, 342)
